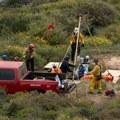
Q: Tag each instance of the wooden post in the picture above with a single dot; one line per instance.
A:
(75, 58)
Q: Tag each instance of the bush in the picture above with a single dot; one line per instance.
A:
(109, 114)
(17, 3)
(99, 13)
(13, 24)
(112, 33)
(34, 105)
(2, 93)
(112, 1)
(13, 51)
(97, 41)
(49, 115)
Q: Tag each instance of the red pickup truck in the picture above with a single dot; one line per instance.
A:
(14, 77)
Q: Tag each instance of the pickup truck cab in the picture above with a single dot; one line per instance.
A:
(14, 77)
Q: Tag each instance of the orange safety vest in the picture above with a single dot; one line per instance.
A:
(56, 70)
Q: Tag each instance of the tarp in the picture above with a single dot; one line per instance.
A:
(50, 65)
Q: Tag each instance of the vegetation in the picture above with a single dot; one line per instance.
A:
(21, 19)
(38, 106)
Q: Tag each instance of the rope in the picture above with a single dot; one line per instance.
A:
(96, 45)
(88, 52)
(65, 54)
(37, 33)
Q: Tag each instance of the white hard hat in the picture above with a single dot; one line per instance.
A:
(87, 57)
(76, 30)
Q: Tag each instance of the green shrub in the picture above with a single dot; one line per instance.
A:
(99, 13)
(33, 105)
(13, 51)
(112, 33)
(115, 103)
(97, 41)
(2, 93)
(112, 1)
(4, 117)
(17, 3)
(13, 24)
(24, 112)
(109, 114)
(49, 115)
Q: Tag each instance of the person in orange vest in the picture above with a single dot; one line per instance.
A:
(56, 70)
(73, 40)
(29, 57)
(96, 79)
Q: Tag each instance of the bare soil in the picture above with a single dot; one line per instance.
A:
(112, 62)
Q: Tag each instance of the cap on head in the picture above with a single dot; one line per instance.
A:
(76, 30)
(4, 57)
(31, 45)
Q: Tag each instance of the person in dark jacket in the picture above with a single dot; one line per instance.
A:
(65, 66)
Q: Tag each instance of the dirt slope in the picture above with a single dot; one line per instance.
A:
(112, 62)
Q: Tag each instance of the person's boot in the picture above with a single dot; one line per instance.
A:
(91, 92)
(100, 92)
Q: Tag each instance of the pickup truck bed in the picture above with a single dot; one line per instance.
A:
(43, 75)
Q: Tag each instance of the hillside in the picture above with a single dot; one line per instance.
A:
(23, 22)
(19, 22)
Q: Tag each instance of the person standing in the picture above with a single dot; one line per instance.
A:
(65, 66)
(73, 41)
(29, 57)
(96, 72)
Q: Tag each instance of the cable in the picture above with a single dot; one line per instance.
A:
(65, 54)
(96, 45)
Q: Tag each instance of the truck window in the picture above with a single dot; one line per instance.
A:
(23, 70)
(6, 74)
